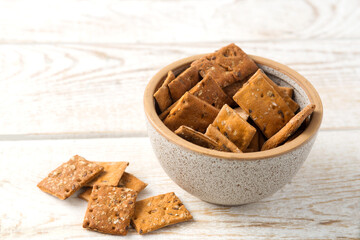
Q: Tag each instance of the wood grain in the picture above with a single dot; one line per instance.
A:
(191, 21)
(72, 90)
(321, 202)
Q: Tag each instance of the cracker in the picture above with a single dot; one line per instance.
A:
(207, 67)
(197, 138)
(162, 95)
(192, 112)
(291, 103)
(130, 181)
(110, 209)
(69, 177)
(234, 59)
(242, 113)
(220, 138)
(159, 211)
(264, 104)
(184, 82)
(289, 128)
(209, 91)
(127, 181)
(85, 195)
(234, 127)
(111, 174)
(286, 90)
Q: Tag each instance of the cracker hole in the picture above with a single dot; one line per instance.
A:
(67, 190)
(90, 210)
(113, 228)
(78, 180)
(87, 223)
(116, 214)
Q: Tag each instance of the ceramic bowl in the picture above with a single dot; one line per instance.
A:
(232, 178)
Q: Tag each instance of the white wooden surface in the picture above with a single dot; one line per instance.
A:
(72, 75)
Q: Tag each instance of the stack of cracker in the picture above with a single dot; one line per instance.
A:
(111, 194)
(224, 102)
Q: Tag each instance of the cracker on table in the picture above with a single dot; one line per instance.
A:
(208, 90)
(128, 180)
(264, 104)
(159, 211)
(221, 76)
(198, 138)
(110, 209)
(162, 95)
(220, 138)
(111, 174)
(69, 177)
(288, 100)
(184, 82)
(289, 128)
(191, 111)
(286, 90)
(234, 127)
(234, 59)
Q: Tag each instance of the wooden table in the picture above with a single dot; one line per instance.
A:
(72, 76)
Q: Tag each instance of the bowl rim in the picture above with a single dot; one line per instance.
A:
(304, 137)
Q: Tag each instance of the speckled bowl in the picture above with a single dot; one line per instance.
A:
(232, 178)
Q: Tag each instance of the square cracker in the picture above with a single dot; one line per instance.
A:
(191, 111)
(162, 95)
(222, 76)
(264, 104)
(234, 59)
(159, 211)
(289, 129)
(291, 103)
(184, 82)
(69, 177)
(220, 138)
(127, 181)
(234, 127)
(198, 138)
(208, 90)
(111, 175)
(110, 209)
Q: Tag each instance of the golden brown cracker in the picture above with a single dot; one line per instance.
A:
(159, 211)
(197, 138)
(220, 138)
(286, 90)
(234, 127)
(208, 90)
(291, 103)
(289, 128)
(111, 174)
(69, 177)
(162, 95)
(207, 67)
(192, 112)
(184, 82)
(264, 104)
(110, 209)
(233, 88)
(128, 180)
(234, 59)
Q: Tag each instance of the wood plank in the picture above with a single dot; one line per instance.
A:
(321, 202)
(176, 21)
(71, 90)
